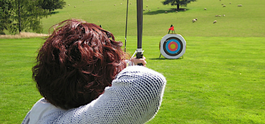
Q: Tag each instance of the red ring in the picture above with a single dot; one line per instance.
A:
(173, 43)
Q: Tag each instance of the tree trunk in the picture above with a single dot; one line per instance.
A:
(19, 16)
(177, 6)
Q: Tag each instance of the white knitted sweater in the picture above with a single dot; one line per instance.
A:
(133, 98)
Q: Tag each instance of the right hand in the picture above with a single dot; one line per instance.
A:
(136, 61)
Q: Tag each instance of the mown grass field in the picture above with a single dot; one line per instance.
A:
(220, 79)
(245, 21)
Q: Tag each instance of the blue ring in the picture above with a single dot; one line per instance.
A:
(167, 48)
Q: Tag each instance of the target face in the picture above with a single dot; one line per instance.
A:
(172, 46)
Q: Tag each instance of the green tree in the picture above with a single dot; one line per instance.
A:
(51, 5)
(5, 13)
(22, 15)
(177, 2)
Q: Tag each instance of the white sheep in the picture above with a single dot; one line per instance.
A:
(239, 5)
(205, 8)
(214, 21)
(194, 20)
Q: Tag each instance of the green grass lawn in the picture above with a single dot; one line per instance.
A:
(17, 88)
(219, 80)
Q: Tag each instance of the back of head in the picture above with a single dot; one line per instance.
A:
(75, 64)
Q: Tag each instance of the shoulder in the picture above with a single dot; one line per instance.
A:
(134, 97)
(42, 112)
(139, 71)
(140, 76)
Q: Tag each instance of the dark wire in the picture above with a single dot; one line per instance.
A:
(126, 25)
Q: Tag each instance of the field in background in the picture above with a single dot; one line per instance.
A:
(219, 80)
(245, 21)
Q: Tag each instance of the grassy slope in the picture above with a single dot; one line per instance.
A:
(246, 21)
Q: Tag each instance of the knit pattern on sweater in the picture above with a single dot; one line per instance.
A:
(134, 98)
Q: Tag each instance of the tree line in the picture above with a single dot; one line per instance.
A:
(25, 15)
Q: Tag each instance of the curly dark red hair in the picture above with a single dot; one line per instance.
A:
(75, 64)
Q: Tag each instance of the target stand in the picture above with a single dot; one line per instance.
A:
(172, 46)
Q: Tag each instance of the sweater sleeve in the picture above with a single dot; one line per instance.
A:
(134, 97)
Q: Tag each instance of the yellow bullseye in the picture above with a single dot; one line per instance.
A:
(172, 46)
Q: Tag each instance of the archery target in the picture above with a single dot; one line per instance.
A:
(172, 46)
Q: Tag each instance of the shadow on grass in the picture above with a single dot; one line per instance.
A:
(53, 12)
(172, 10)
(162, 58)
